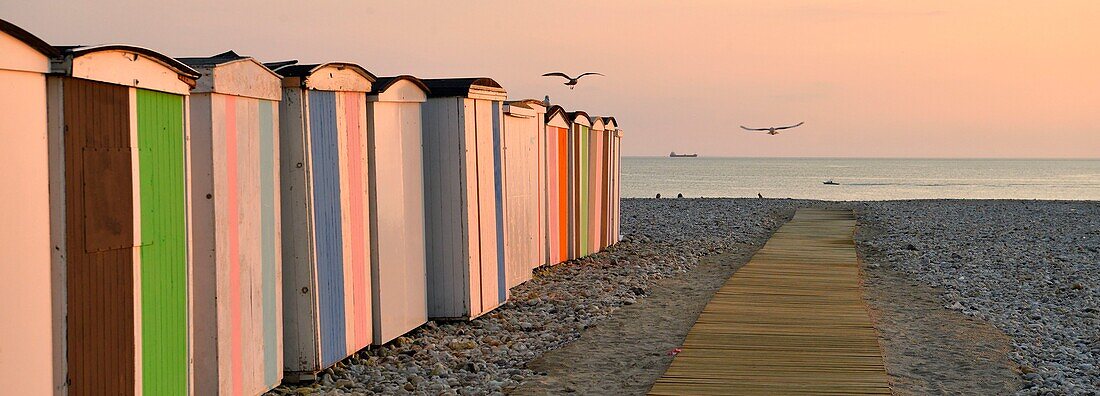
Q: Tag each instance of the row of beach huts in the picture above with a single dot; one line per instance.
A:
(176, 226)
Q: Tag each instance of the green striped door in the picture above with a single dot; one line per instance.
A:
(164, 243)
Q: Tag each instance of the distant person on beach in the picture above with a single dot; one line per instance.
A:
(658, 195)
(680, 195)
(761, 196)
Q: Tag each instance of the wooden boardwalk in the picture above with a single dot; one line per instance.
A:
(791, 321)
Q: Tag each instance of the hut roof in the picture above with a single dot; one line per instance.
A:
(296, 70)
(27, 38)
(610, 121)
(76, 51)
(578, 113)
(384, 83)
(443, 87)
(555, 109)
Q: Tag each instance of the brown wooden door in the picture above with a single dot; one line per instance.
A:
(99, 221)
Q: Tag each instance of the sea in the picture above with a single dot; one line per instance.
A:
(861, 179)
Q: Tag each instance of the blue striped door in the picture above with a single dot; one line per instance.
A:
(327, 227)
(498, 185)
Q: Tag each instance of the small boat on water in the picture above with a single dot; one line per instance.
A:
(830, 182)
(674, 155)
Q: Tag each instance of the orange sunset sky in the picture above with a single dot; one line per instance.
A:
(869, 78)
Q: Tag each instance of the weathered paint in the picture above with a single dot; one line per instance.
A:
(325, 221)
(564, 220)
(524, 165)
(233, 159)
(99, 263)
(595, 185)
(26, 326)
(584, 211)
(498, 194)
(396, 164)
(120, 189)
(465, 233)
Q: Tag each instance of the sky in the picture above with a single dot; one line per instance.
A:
(929, 79)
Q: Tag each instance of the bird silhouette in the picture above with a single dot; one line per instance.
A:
(572, 80)
(771, 130)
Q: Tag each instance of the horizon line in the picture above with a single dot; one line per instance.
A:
(887, 158)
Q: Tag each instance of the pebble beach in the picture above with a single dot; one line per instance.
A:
(1026, 269)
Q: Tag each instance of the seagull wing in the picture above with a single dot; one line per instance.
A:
(753, 129)
(589, 73)
(790, 126)
(558, 74)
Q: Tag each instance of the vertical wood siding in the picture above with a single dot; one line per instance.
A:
(596, 187)
(328, 230)
(563, 167)
(464, 209)
(524, 212)
(299, 286)
(552, 198)
(271, 260)
(571, 181)
(397, 167)
(164, 243)
(99, 272)
(585, 205)
(498, 195)
(446, 184)
(237, 316)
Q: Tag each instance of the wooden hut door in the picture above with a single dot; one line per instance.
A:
(99, 238)
(164, 273)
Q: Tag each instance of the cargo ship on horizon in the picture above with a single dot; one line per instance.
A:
(674, 155)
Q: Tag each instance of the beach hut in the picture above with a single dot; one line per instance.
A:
(118, 126)
(234, 214)
(325, 214)
(610, 177)
(396, 166)
(616, 185)
(578, 183)
(557, 185)
(524, 159)
(26, 325)
(596, 186)
(463, 197)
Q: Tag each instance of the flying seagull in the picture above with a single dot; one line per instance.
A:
(772, 130)
(572, 81)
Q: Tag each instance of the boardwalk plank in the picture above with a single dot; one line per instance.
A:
(791, 321)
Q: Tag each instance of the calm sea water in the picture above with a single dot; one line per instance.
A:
(861, 179)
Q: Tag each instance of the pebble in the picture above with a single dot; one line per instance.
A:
(1029, 268)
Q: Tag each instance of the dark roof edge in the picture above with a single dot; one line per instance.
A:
(29, 39)
(390, 80)
(171, 62)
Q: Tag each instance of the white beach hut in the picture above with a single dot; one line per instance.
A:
(395, 149)
(524, 188)
(234, 162)
(26, 345)
(463, 160)
(325, 214)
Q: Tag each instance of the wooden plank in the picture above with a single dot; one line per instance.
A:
(99, 285)
(792, 320)
(328, 227)
(164, 273)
